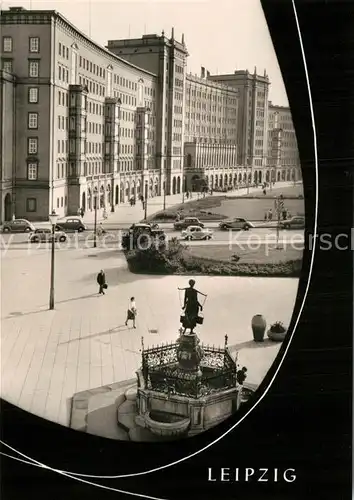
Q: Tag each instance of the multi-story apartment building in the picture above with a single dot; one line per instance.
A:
(165, 58)
(283, 153)
(85, 124)
(210, 133)
(252, 125)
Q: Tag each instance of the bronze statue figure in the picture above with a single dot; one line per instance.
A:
(191, 307)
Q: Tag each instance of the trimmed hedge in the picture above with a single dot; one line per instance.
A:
(173, 261)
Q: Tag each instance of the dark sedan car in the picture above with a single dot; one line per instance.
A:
(296, 222)
(18, 226)
(71, 224)
(186, 222)
(236, 224)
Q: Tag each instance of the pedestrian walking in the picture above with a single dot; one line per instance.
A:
(82, 211)
(101, 280)
(270, 214)
(132, 312)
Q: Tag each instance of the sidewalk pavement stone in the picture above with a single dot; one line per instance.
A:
(48, 356)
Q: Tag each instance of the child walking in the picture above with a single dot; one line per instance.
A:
(132, 312)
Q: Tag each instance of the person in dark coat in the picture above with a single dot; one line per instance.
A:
(191, 306)
(101, 280)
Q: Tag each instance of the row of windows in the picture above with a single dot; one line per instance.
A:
(63, 51)
(63, 74)
(177, 137)
(93, 87)
(210, 130)
(178, 82)
(211, 96)
(33, 67)
(92, 67)
(118, 80)
(33, 44)
(177, 123)
(89, 147)
(211, 119)
(211, 108)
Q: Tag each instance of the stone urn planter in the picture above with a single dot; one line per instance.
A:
(259, 326)
(277, 332)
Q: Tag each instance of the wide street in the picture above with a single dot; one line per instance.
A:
(47, 356)
(112, 239)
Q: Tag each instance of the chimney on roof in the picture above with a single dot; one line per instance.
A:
(172, 34)
(182, 38)
(255, 71)
(208, 74)
(202, 72)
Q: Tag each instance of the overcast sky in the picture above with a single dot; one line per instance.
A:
(221, 35)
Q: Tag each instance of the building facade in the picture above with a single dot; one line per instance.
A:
(283, 153)
(210, 137)
(252, 124)
(84, 125)
(167, 59)
(85, 121)
(7, 143)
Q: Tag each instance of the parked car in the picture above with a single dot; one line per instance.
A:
(18, 226)
(186, 222)
(71, 224)
(237, 223)
(296, 222)
(143, 226)
(136, 235)
(45, 235)
(196, 233)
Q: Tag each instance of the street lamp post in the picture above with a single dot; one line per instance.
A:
(279, 206)
(95, 226)
(53, 217)
(164, 194)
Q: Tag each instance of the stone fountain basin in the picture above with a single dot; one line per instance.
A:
(166, 424)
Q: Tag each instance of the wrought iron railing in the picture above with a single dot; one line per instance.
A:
(162, 374)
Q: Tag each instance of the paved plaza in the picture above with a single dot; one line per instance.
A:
(47, 356)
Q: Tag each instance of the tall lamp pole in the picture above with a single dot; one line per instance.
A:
(95, 226)
(53, 217)
(164, 194)
(279, 206)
